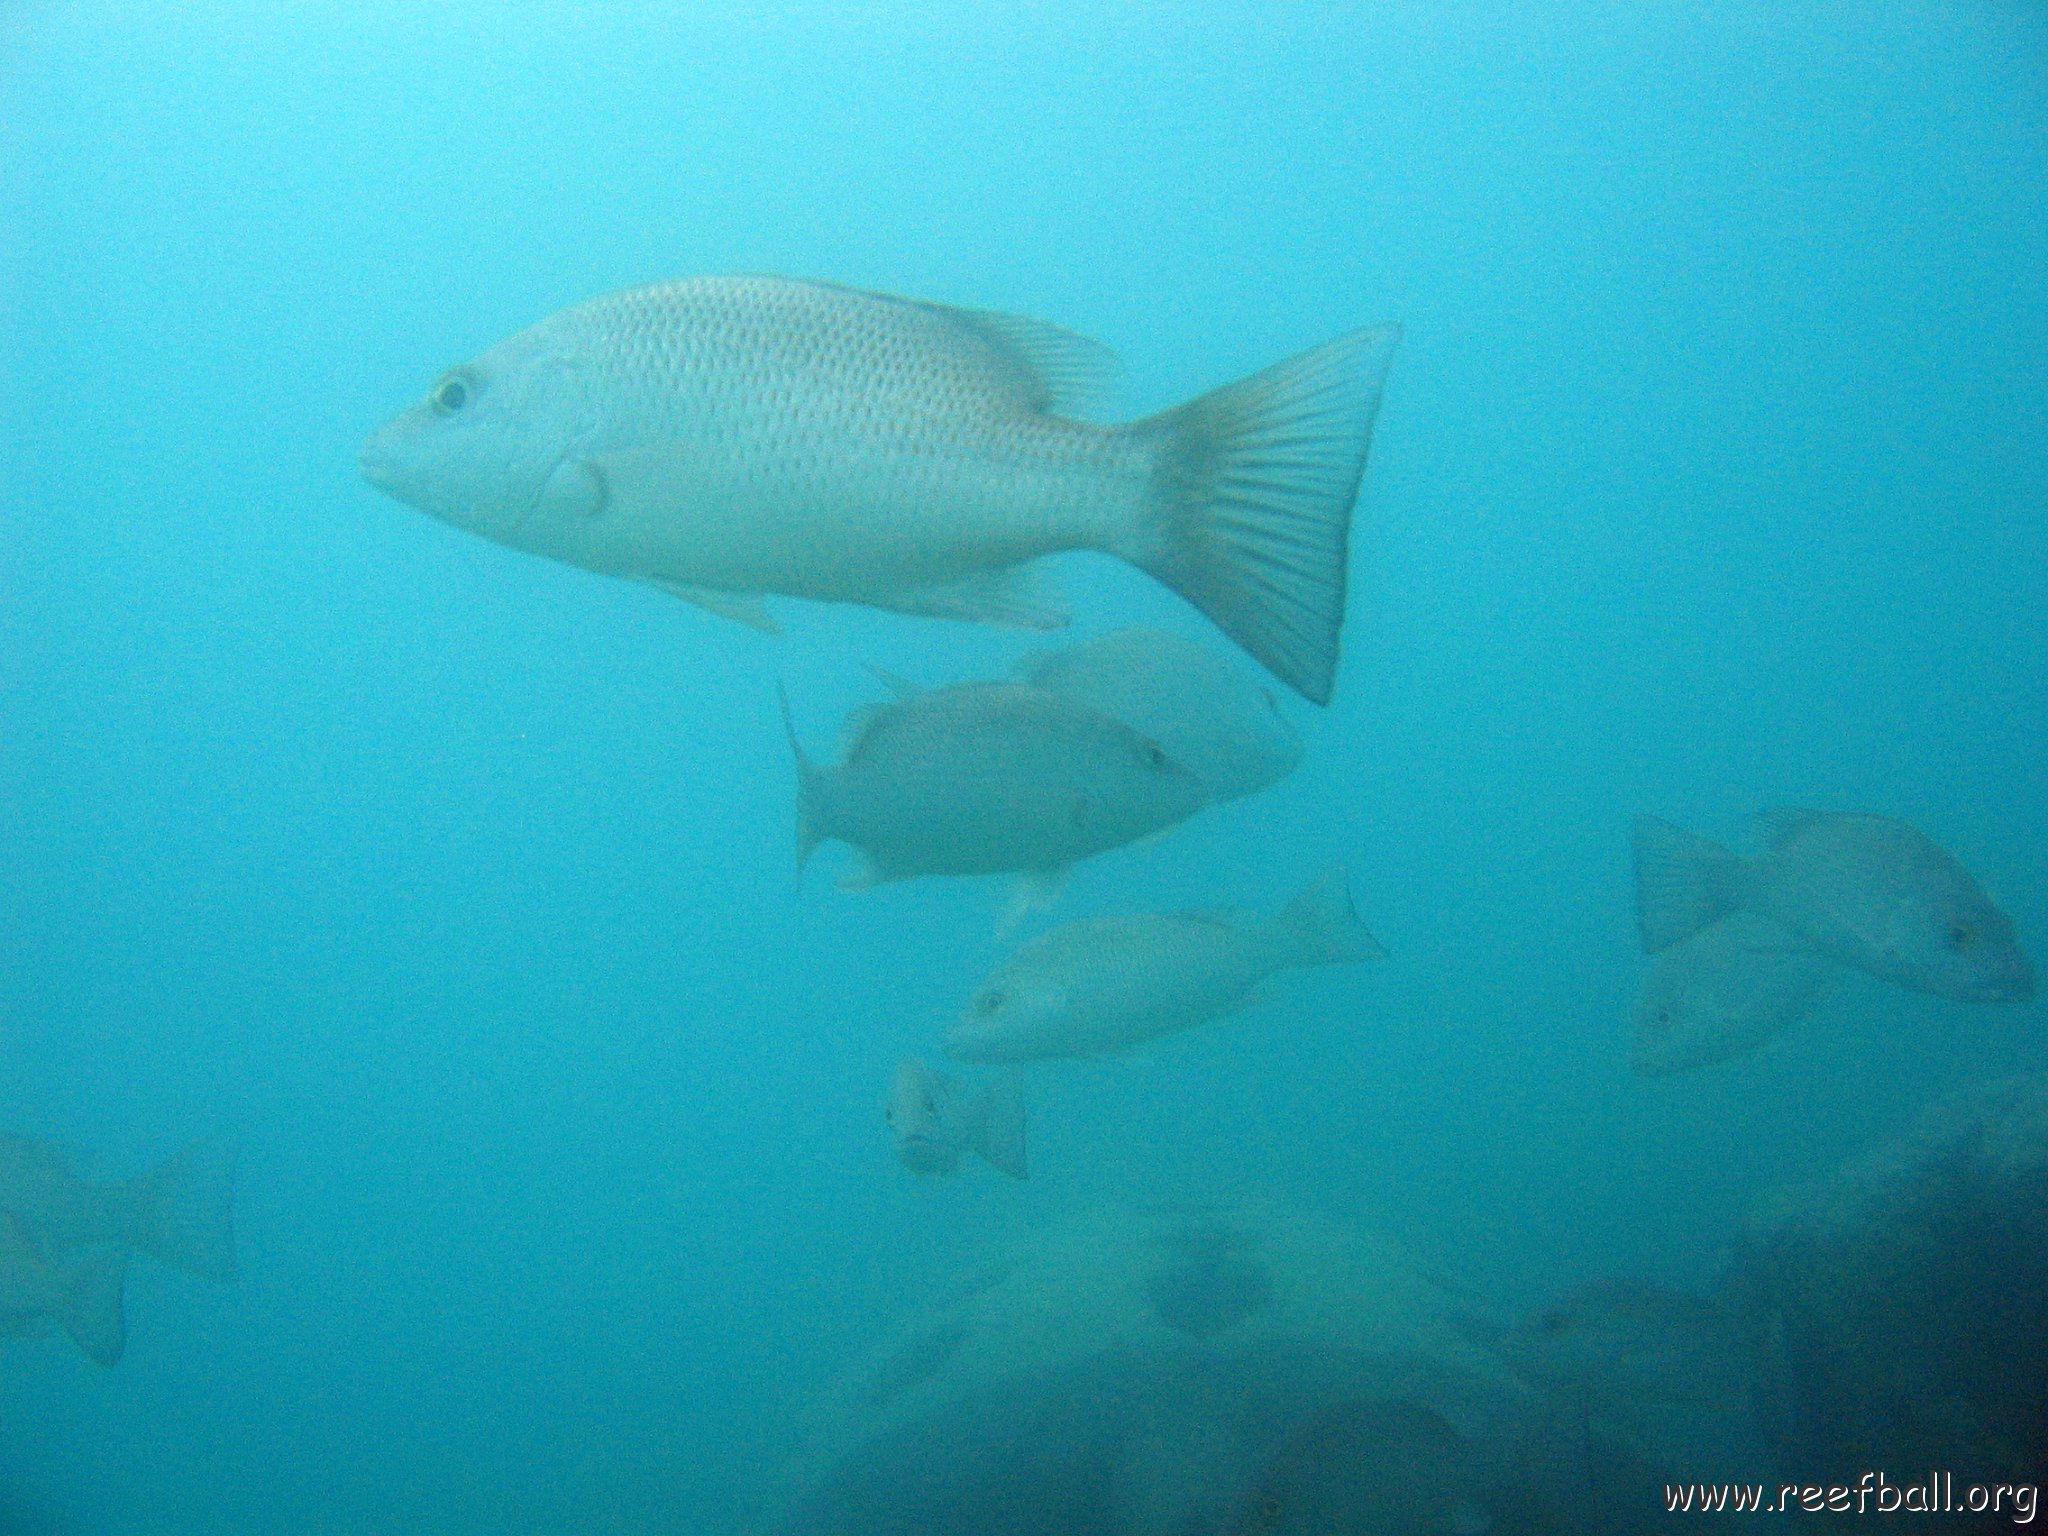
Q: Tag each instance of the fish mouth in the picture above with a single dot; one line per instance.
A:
(376, 464)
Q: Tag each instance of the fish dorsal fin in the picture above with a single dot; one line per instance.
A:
(1219, 917)
(1777, 827)
(853, 731)
(1055, 368)
(895, 682)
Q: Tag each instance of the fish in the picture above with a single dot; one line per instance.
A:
(724, 438)
(81, 1295)
(935, 1121)
(1102, 984)
(179, 1213)
(1866, 891)
(986, 778)
(1366, 1467)
(1724, 990)
(1662, 1371)
(1207, 714)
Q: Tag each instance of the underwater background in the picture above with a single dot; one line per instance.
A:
(1712, 475)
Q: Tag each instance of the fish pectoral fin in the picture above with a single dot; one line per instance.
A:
(1034, 891)
(865, 874)
(1012, 596)
(577, 488)
(741, 607)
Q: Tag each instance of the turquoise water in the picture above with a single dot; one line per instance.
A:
(1710, 477)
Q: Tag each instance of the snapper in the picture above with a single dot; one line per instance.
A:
(934, 1122)
(1102, 984)
(1864, 891)
(1722, 991)
(987, 778)
(726, 437)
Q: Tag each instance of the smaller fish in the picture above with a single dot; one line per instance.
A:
(1099, 985)
(1367, 1468)
(935, 1121)
(1865, 891)
(1722, 991)
(1208, 715)
(987, 778)
(1662, 1371)
(82, 1295)
(179, 1213)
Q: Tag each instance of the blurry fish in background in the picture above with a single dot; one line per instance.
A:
(1866, 891)
(934, 1121)
(987, 778)
(180, 1213)
(1729, 988)
(1209, 716)
(1663, 1373)
(1367, 1468)
(1104, 983)
(725, 437)
(80, 1294)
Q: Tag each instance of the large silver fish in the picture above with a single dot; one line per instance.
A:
(725, 437)
(1865, 891)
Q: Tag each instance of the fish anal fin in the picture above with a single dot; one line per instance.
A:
(741, 607)
(1010, 597)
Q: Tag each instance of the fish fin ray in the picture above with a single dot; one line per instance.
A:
(90, 1308)
(999, 1137)
(1777, 826)
(1683, 882)
(1009, 597)
(182, 1211)
(1253, 490)
(1033, 891)
(741, 607)
(866, 873)
(1321, 927)
(809, 788)
(1052, 368)
(901, 686)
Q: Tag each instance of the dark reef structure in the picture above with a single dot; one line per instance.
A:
(1898, 1310)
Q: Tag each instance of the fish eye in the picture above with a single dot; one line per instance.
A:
(1661, 1019)
(1270, 1510)
(1155, 754)
(1961, 936)
(990, 1002)
(450, 395)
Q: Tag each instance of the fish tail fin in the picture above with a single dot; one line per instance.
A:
(90, 1305)
(999, 1138)
(1320, 926)
(809, 787)
(181, 1212)
(1250, 510)
(1683, 882)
